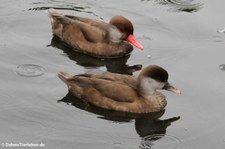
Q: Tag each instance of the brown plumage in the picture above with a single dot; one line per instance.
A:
(122, 92)
(95, 37)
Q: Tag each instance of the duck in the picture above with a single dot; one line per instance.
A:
(95, 37)
(123, 93)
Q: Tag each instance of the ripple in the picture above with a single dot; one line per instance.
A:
(62, 5)
(159, 141)
(184, 5)
(78, 9)
(118, 145)
(218, 38)
(181, 5)
(30, 70)
(221, 31)
(180, 2)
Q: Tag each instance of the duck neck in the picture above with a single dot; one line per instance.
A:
(145, 89)
(114, 35)
(148, 90)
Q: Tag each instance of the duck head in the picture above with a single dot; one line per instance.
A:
(126, 29)
(154, 77)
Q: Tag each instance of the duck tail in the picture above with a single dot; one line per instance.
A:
(53, 13)
(56, 25)
(64, 76)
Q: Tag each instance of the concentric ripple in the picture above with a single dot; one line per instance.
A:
(181, 5)
(30, 70)
(184, 5)
(159, 141)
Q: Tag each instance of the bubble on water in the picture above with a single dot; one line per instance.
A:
(222, 67)
(30, 70)
(221, 31)
(146, 37)
(149, 56)
(118, 145)
(159, 141)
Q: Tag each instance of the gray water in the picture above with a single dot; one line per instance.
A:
(186, 37)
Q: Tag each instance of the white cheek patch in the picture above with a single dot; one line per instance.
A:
(114, 35)
(155, 84)
(149, 85)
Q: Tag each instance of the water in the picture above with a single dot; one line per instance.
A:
(30, 70)
(185, 37)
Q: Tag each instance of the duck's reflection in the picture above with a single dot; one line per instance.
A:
(117, 65)
(157, 126)
(145, 124)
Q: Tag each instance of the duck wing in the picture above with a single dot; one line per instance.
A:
(88, 36)
(92, 22)
(73, 28)
(115, 90)
(126, 79)
(95, 90)
(76, 30)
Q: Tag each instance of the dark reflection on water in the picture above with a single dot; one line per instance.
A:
(113, 65)
(147, 124)
(157, 126)
(180, 5)
(103, 113)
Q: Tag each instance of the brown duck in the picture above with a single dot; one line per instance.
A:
(95, 37)
(122, 92)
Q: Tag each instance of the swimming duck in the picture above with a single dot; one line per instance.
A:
(122, 92)
(95, 37)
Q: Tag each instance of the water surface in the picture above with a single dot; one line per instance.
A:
(186, 37)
